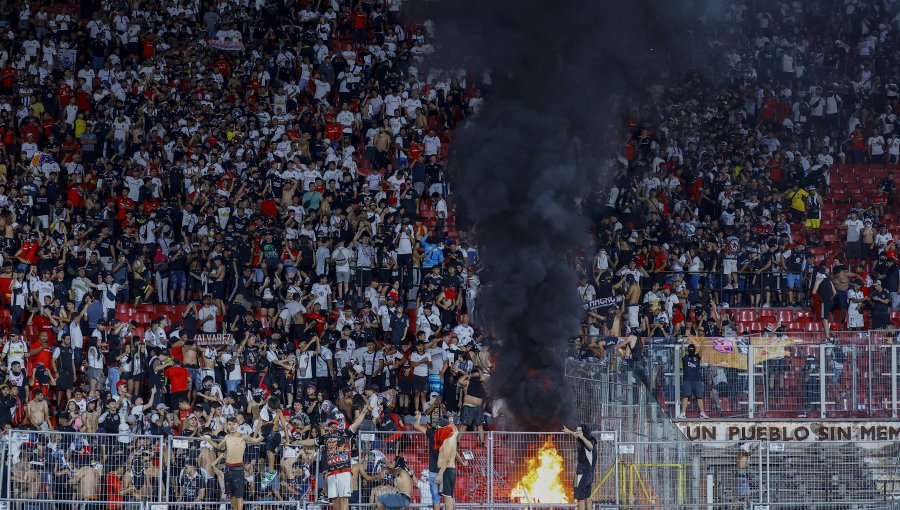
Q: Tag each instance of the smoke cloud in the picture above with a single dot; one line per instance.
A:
(559, 71)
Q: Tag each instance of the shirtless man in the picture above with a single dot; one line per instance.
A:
(446, 477)
(234, 445)
(190, 357)
(633, 303)
(403, 482)
(87, 482)
(358, 471)
(137, 482)
(26, 478)
(472, 415)
(841, 281)
(37, 412)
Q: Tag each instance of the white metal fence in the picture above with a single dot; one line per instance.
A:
(850, 375)
(48, 466)
(52, 471)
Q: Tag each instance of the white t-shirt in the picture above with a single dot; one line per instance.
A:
(420, 370)
(43, 289)
(208, 311)
(893, 145)
(432, 145)
(341, 257)
(322, 361)
(853, 229)
(321, 292)
(15, 351)
(876, 145)
(304, 364)
(95, 359)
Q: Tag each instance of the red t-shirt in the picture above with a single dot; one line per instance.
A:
(334, 131)
(29, 252)
(178, 378)
(41, 323)
(74, 197)
(64, 93)
(9, 77)
(148, 48)
(83, 99)
(223, 67)
(114, 490)
(320, 321)
(43, 356)
(359, 21)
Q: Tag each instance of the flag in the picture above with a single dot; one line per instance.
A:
(731, 352)
(40, 158)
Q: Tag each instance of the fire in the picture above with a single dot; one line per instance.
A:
(544, 481)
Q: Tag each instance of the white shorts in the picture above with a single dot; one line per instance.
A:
(634, 315)
(339, 485)
(729, 266)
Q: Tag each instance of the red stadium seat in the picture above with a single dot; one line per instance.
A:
(793, 326)
(747, 315)
(786, 315)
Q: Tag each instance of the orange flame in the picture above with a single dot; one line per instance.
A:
(544, 481)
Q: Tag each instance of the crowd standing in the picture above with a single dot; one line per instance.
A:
(717, 197)
(267, 181)
(271, 178)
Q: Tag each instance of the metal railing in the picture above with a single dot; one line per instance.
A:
(102, 468)
(629, 473)
(849, 376)
(741, 287)
(296, 468)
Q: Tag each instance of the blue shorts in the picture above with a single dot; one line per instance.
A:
(433, 486)
(177, 280)
(793, 281)
(395, 500)
(196, 380)
(436, 384)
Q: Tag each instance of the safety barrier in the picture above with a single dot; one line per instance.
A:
(48, 466)
(191, 457)
(850, 375)
(497, 470)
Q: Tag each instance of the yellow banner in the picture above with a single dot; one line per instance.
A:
(731, 352)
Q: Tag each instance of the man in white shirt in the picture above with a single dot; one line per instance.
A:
(155, 336)
(883, 237)
(586, 290)
(432, 143)
(43, 289)
(876, 148)
(428, 321)
(854, 226)
(341, 258)
(463, 331)
(206, 316)
(322, 292)
(420, 361)
(16, 349)
(893, 147)
(108, 291)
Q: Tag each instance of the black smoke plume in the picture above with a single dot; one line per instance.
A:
(560, 71)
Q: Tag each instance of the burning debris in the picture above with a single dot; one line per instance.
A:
(544, 481)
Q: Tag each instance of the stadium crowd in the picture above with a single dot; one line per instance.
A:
(717, 200)
(268, 183)
(218, 211)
